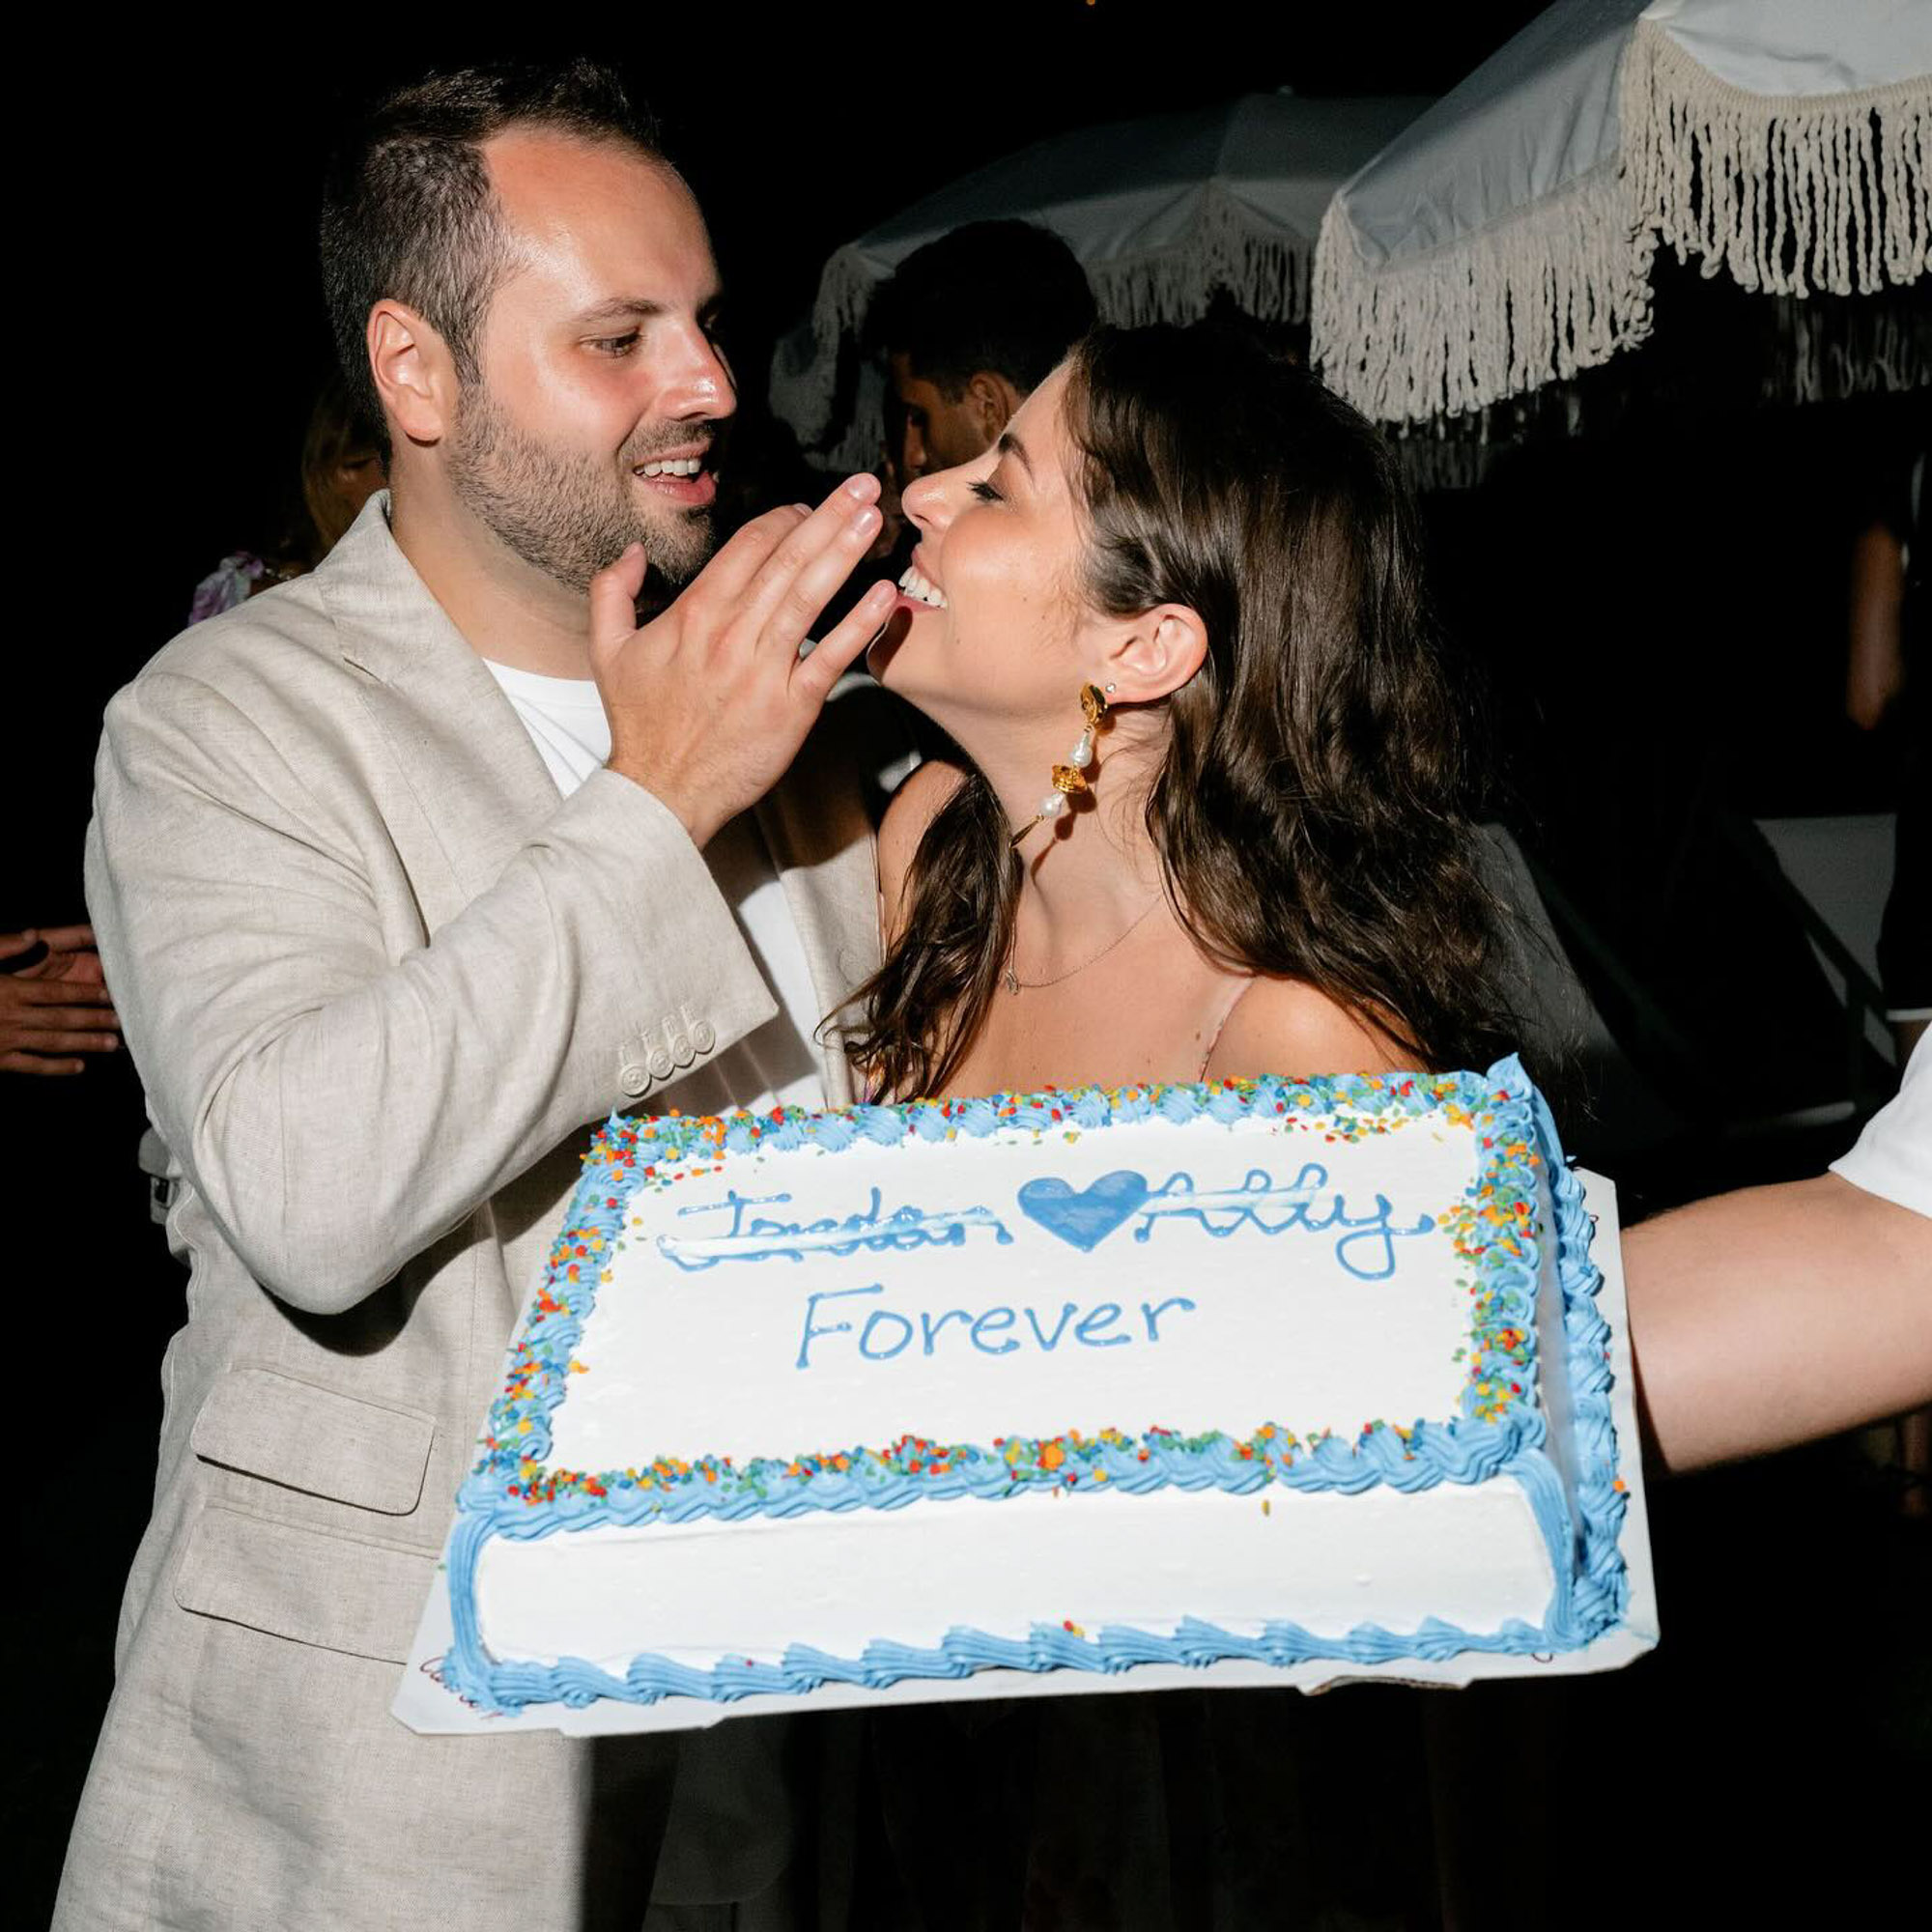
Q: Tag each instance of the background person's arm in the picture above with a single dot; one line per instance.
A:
(1778, 1315)
(53, 1007)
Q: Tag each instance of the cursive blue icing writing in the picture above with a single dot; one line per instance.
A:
(831, 1327)
(757, 1237)
(1365, 1249)
(885, 1333)
(1049, 1342)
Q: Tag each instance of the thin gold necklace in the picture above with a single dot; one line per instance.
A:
(1015, 985)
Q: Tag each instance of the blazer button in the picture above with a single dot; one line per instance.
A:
(660, 1064)
(702, 1038)
(681, 1049)
(633, 1079)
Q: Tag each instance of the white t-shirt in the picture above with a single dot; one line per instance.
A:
(1893, 1155)
(776, 1062)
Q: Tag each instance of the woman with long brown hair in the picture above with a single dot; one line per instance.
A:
(1205, 821)
(1207, 818)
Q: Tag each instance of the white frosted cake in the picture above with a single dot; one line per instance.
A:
(1074, 1382)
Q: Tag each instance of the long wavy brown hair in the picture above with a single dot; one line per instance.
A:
(1307, 807)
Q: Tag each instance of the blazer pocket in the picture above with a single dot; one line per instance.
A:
(307, 1438)
(335, 1592)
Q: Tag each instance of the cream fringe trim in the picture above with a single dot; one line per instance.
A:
(1229, 247)
(1791, 195)
(1559, 288)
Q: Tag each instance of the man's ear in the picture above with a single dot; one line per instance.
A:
(994, 400)
(1154, 654)
(414, 373)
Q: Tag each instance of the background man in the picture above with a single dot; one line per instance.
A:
(970, 326)
(402, 873)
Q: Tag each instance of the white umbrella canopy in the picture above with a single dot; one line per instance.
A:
(1505, 240)
(1161, 211)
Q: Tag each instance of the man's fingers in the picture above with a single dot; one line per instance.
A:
(68, 1040)
(34, 1064)
(37, 1019)
(13, 944)
(61, 993)
(73, 969)
(71, 1041)
(45, 1032)
(613, 603)
(815, 584)
(841, 528)
(835, 653)
(67, 937)
(729, 575)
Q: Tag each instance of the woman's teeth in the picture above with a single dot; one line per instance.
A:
(920, 591)
(678, 466)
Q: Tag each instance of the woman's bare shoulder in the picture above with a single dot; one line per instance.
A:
(1293, 1028)
(913, 807)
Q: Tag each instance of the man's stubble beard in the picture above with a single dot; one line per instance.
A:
(566, 515)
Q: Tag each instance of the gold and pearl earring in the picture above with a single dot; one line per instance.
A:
(1070, 777)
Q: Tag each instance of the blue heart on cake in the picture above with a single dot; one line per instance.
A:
(1085, 1219)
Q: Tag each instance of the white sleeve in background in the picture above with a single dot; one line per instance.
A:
(1893, 1155)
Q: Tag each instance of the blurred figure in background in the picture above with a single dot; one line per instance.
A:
(341, 469)
(1884, 690)
(970, 326)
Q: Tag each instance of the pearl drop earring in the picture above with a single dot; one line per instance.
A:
(1072, 776)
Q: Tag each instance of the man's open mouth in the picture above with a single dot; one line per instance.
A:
(685, 476)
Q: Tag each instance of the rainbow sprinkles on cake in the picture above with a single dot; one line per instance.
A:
(1072, 1384)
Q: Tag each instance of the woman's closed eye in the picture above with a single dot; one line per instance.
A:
(985, 491)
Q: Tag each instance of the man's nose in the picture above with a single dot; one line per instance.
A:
(698, 380)
(912, 454)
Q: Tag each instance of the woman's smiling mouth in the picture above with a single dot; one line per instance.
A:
(917, 590)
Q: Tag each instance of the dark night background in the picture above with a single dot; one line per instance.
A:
(1657, 612)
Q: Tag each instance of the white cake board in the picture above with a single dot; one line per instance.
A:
(425, 1704)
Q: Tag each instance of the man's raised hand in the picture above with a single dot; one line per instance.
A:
(709, 702)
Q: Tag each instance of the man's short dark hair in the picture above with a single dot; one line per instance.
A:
(1003, 296)
(408, 213)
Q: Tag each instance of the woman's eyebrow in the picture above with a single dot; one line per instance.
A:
(1010, 445)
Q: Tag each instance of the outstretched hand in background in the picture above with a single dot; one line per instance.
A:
(56, 1006)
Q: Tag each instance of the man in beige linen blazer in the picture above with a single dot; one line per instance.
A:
(377, 977)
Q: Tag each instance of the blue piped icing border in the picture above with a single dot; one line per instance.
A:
(511, 1492)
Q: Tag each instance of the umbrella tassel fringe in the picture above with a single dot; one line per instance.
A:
(1790, 195)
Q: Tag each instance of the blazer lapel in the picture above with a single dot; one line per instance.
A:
(468, 785)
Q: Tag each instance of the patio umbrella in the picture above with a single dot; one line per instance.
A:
(1162, 211)
(1505, 240)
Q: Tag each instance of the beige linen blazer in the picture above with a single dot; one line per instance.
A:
(377, 978)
